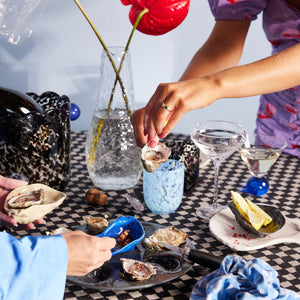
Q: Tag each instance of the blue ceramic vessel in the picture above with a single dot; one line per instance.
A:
(118, 226)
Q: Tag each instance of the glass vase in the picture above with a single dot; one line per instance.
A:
(113, 159)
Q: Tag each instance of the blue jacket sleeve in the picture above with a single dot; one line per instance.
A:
(32, 267)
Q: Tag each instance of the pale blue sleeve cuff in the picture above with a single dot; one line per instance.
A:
(33, 267)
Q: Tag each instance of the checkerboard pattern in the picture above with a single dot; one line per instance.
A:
(284, 190)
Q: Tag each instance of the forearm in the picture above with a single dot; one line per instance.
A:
(222, 50)
(272, 74)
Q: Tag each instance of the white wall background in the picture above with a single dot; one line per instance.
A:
(63, 55)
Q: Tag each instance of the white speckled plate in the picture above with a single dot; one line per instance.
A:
(225, 228)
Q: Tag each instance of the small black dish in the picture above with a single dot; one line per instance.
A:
(278, 220)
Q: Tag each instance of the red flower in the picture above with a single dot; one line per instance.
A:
(162, 15)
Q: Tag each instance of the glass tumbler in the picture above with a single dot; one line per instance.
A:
(163, 188)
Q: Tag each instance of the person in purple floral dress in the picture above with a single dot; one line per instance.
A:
(213, 73)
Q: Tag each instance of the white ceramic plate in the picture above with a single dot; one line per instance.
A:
(225, 228)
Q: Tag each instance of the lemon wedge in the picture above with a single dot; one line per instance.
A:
(240, 204)
(258, 210)
(256, 216)
(255, 219)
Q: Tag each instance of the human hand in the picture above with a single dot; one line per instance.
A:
(86, 252)
(169, 103)
(7, 184)
(137, 121)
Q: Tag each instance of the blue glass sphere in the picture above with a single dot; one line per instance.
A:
(75, 112)
(257, 186)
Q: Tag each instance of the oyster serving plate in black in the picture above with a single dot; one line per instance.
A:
(110, 276)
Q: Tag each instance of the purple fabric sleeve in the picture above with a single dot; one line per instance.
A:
(236, 9)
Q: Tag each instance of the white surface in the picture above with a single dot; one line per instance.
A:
(63, 55)
(225, 228)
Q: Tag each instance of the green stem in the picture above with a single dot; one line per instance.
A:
(144, 11)
(117, 71)
(105, 48)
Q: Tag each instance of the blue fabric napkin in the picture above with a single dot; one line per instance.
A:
(242, 280)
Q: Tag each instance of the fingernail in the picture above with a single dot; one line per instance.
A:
(152, 144)
(161, 136)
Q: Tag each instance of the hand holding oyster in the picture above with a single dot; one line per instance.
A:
(32, 202)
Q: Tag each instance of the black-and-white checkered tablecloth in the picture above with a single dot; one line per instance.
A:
(284, 193)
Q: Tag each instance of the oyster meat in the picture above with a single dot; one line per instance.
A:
(27, 199)
(95, 225)
(32, 202)
(152, 158)
(169, 235)
(137, 269)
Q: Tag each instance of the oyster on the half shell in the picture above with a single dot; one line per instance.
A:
(35, 210)
(27, 199)
(137, 269)
(95, 225)
(152, 158)
(169, 235)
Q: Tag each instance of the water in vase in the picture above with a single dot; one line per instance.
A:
(113, 159)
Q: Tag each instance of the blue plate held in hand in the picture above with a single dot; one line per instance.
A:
(114, 230)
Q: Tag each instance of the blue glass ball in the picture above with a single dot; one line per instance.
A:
(75, 112)
(257, 186)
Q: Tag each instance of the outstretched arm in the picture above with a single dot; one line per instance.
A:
(274, 73)
(37, 266)
(222, 50)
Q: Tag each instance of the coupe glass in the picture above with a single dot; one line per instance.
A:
(217, 140)
(260, 152)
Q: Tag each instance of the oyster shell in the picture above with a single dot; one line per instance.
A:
(25, 215)
(169, 235)
(152, 158)
(27, 199)
(137, 269)
(95, 225)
